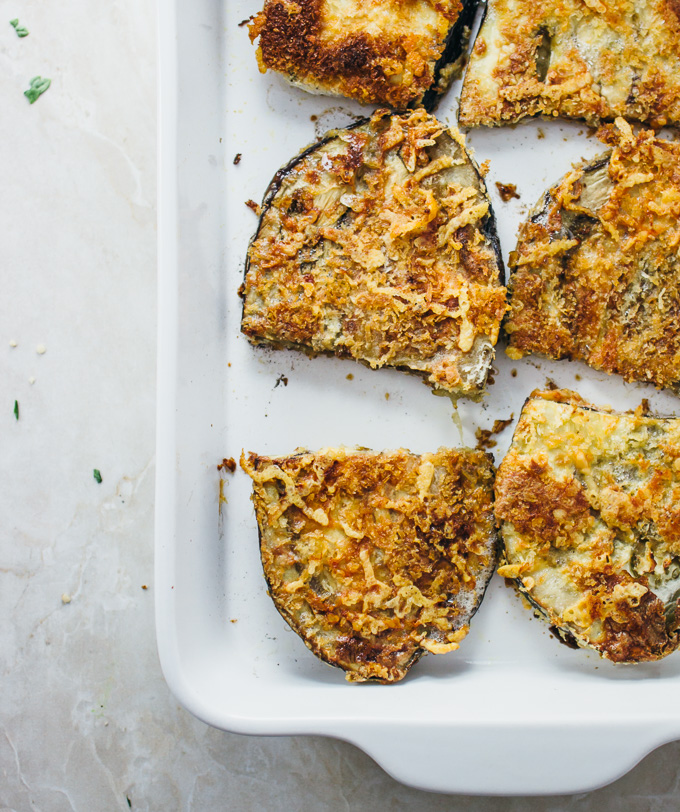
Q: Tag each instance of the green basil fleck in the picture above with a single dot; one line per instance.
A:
(97, 475)
(38, 86)
(16, 409)
(21, 31)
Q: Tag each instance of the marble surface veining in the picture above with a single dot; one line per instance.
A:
(86, 720)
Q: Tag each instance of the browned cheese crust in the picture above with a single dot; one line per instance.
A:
(584, 59)
(378, 244)
(588, 504)
(596, 272)
(376, 558)
(375, 51)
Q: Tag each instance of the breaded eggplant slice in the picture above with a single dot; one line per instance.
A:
(596, 272)
(379, 244)
(398, 53)
(588, 504)
(583, 59)
(376, 558)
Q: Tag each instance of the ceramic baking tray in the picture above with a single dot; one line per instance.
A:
(512, 712)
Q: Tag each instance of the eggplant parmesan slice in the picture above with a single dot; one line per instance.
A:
(398, 53)
(596, 272)
(379, 244)
(588, 505)
(375, 558)
(583, 59)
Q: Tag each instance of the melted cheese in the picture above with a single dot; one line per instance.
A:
(590, 60)
(376, 51)
(375, 558)
(588, 503)
(376, 246)
(597, 266)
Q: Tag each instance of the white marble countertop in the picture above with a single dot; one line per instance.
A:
(88, 722)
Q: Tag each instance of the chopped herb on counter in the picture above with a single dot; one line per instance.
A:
(21, 31)
(97, 475)
(38, 86)
(16, 409)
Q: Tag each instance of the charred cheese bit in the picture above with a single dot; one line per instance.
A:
(398, 567)
(393, 52)
(597, 265)
(586, 60)
(379, 244)
(596, 551)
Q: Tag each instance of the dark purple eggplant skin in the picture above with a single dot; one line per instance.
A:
(456, 43)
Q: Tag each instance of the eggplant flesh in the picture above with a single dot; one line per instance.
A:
(595, 275)
(588, 506)
(376, 558)
(592, 61)
(379, 244)
(389, 53)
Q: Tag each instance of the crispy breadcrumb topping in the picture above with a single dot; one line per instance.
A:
(588, 503)
(596, 271)
(582, 59)
(378, 244)
(375, 558)
(375, 51)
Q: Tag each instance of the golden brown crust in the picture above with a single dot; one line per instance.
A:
(378, 244)
(584, 59)
(596, 274)
(585, 500)
(376, 558)
(540, 506)
(375, 51)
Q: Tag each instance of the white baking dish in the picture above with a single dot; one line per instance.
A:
(511, 712)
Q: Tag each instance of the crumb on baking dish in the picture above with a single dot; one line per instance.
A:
(227, 464)
(507, 191)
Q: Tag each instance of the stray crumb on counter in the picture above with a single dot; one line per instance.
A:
(145, 586)
(96, 473)
(513, 373)
(12, 342)
(227, 464)
(387, 395)
(31, 380)
(234, 620)
(16, 410)
(41, 349)
(237, 158)
(349, 376)
(66, 598)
